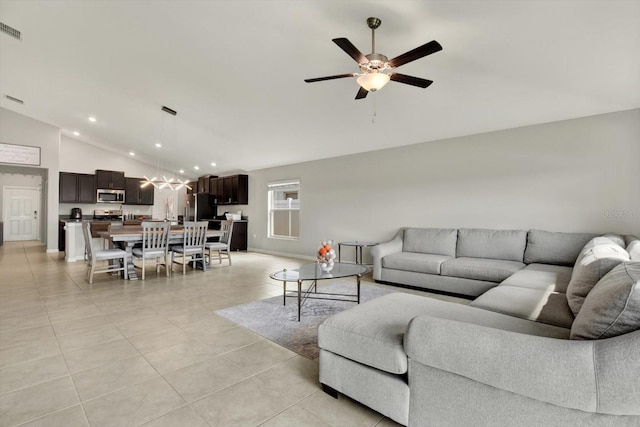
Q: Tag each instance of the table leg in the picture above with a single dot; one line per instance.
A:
(358, 281)
(299, 298)
(284, 293)
(339, 246)
(131, 269)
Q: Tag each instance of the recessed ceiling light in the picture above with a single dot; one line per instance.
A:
(131, 153)
(213, 164)
(92, 119)
(158, 145)
(181, 171)
(76, 133)
(197, 168)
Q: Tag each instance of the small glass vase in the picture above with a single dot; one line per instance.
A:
(325, 266)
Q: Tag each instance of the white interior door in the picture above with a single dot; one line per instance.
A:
(21, 213)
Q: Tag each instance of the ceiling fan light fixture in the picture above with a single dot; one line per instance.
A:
(373, 81)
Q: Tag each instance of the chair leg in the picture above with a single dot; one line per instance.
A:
(229, 256)
(184, 264)
(143, 268)
(93, 267)
(219, 256)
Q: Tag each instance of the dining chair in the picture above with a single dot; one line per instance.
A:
(224, 244)
(94, 256)
(194, 239)
(155, 245)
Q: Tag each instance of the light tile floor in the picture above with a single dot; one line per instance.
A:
(153, 352)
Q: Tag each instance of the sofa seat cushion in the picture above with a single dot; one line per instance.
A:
(533, 304)
(547, 277)
(597, 258)
(411, 261)
(612, 307)
(372, 333)
(491, 270)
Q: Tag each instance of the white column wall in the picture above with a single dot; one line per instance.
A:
(18, 129)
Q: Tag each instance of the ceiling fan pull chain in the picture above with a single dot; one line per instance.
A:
(375, 109)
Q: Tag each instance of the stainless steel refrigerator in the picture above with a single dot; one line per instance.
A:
(199, 207)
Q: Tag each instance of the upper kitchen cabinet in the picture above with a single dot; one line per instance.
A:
(77, 188)
(135, 194)
(204, 183)
(113, 180)
(230, 190)
(216, 189)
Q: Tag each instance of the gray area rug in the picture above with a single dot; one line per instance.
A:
(278, 323)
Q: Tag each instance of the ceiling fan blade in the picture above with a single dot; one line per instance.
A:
(362, 93)
(338, 76)
(351, 50)
(417, 53)
(410, 80)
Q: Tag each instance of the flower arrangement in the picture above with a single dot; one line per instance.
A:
(326, 255)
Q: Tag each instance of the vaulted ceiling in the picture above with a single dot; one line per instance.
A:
(234, 71)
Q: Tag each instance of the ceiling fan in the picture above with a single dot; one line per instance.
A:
(376, 69)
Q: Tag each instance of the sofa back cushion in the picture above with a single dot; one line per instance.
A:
(548, 247)
(437, 241)
(597, 258)
(494, 244)
(612, 308)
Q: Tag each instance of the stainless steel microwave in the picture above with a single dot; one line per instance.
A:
(110, 196)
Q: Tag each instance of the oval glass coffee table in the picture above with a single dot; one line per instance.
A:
(312, 272)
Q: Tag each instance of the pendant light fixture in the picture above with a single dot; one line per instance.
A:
(171, 183)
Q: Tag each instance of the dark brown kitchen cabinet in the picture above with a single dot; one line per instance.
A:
(216, 190)
(239, 237)
(110, 180)
(135, 194)
(230, 190)
(204, 183)
(77, 188)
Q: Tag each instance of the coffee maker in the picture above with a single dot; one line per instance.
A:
(76, 213)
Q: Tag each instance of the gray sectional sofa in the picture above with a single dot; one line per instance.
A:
(551, 338)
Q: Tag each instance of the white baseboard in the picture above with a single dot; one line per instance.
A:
(284, 254)
(52, 251)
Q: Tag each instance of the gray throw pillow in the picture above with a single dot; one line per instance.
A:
(616, 238)
(597, 258)
(634, 250)
(612, 308)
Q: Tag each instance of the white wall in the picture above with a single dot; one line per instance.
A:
(79, 157)
(22, 130)
(575, 175)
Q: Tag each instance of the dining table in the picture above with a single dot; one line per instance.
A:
(128, 236)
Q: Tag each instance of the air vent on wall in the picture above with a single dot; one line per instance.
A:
(11, 98)
(169, 110)
(10, 31)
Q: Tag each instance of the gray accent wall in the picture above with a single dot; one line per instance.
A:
(579, 175)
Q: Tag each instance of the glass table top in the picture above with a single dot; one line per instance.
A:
(356, 243)
(313, 272)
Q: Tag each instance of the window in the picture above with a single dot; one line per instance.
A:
(284, 210)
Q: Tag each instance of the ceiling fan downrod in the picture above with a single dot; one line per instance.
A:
(373, 23)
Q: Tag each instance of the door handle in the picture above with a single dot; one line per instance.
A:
(35, 214)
